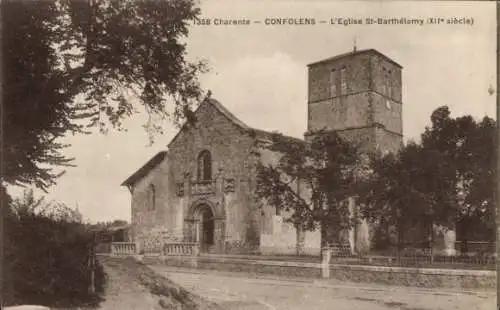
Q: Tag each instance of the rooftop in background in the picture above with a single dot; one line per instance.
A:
(355, 53)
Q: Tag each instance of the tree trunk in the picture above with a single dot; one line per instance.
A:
(399, 240)
(431, 241)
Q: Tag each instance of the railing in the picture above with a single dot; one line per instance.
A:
(420, 258)
(340, 250)
(123, 248)
(182, 248)
(202, 188)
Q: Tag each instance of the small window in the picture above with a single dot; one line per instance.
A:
(343, 81)
(152, 197)
(204, 166)
(333, 83)
(390, 85)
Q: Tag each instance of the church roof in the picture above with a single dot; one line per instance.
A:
(228, 114)
(143, 171)
(258, 133)
(356, 53)
(267, 135)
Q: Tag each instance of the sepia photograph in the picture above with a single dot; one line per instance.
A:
(250, 154)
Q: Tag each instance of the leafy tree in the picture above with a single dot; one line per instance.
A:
(73, 65)
(470, 147)
(446, 179)
(312, 182)
(398, 194)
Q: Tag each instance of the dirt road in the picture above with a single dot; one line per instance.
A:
(240, 291)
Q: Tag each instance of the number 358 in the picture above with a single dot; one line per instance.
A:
(202, 22)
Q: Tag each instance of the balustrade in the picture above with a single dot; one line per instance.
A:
(182, 248)
(123, 248)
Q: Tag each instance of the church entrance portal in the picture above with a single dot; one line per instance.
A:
(206, 228)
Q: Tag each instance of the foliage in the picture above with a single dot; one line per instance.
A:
(29, 204)
(47, 257)
(446, 179)
(395, 197)
(327, 171)
(108, 225)
(72, 65)
(470, 147)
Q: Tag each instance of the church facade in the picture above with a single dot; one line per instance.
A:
(201, 188)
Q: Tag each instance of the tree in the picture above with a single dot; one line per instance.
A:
(73, 65)
(398, 196)
(446, 180)
(326, 170)
(469, 145)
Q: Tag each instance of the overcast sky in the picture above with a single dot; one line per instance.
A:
(259, 73)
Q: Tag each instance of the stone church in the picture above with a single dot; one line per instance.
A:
(201, 188)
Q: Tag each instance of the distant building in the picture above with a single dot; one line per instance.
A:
(201, 188)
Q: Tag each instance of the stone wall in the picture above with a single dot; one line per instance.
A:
(477, 280)
(357, 68)
(154, 239)
(373, 99)
(382, 73)
(230, 148)
(147, 218)
(339, 113)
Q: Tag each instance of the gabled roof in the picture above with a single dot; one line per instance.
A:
(267, 135)
(356, 53)
(259, 134)
(144, 170)
(230, 116)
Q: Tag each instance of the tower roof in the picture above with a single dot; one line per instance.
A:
(355, 53)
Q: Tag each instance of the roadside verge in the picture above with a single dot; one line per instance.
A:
(133, 285)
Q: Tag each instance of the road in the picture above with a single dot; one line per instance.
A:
(245, 292)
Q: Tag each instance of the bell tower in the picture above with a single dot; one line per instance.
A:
(358, 95)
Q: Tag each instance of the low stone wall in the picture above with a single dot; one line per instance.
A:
(417, 277)
(279, 268)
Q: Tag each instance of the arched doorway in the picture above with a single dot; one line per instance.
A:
(206, 228)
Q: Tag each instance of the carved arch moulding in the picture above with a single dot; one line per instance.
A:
(217, 209)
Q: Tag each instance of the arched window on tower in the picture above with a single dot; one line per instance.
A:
(390, 85)
(333, 83)
(204, 166)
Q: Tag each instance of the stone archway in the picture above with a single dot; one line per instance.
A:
(205, 230)
(205, 224)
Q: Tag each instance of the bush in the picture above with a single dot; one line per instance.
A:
(50, 260)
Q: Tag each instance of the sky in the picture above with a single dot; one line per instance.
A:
(259, 73)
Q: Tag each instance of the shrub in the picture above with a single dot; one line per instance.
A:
(49, 257)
